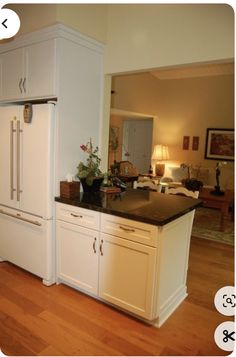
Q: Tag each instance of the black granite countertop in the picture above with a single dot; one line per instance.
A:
(139, 205)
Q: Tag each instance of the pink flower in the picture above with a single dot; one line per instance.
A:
(83, 147)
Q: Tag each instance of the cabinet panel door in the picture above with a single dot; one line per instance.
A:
(126, 275)
(77, 256)
(12, 74)
(40, 69)
(36, 161)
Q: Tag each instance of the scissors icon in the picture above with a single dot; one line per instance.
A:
(228, 336)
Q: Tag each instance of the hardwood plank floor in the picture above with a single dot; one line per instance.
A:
(57, 320)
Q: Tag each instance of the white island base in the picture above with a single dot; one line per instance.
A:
(137, 267)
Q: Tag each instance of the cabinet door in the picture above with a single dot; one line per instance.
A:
(36, 161)
(77, 256)
(126, 275)
(40, 69)
(12, 74)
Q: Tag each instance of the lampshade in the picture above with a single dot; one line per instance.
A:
(160, 153)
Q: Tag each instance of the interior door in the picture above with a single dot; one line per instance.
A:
(37, 158)
(137, 138)
(8, 118)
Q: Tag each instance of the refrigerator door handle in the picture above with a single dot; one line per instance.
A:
(18, 216)
(11, 161)
(18, 130)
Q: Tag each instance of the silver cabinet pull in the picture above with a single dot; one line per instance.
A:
(94, 245)
(130, 230)
(76, 215)
(20, 83)
(11, 161)
(23, 84)
(18, 216)
(18, 160)
(100, 247)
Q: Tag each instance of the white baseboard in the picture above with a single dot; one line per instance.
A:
(170, 306)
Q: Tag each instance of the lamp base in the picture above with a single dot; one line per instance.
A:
(160, 170)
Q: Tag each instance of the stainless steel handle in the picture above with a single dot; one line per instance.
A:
(20, 85)
(18, 216)
(100, 247)
(130, 230)
(18, 160)
(23, 85)
(76, 215)
(11, 161)
(94, 245)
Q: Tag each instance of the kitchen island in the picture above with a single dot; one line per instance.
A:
(129, 249)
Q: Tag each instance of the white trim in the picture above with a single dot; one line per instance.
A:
(55, 31)
(133, 115)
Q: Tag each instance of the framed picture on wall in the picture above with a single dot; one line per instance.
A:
(219, 144)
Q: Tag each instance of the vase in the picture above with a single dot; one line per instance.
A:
(97, 181)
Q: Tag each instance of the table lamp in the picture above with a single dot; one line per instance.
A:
(160, 153)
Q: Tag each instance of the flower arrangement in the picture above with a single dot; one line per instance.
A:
(90, 169)
(191, 183)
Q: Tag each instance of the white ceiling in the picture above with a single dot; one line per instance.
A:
(195, 71)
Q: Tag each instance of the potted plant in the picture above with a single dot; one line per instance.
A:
(89, 172)
(191, 183)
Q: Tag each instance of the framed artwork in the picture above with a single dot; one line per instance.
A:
(219, 144)
(186, 140)
(195, 143)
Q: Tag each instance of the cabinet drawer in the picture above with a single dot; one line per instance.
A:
(132, 230)
(77, 215)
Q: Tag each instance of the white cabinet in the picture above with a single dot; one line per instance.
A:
(126, 275)
(29, 72)
(78, 256)
(138, 267)
(112, 268)
(78, 247)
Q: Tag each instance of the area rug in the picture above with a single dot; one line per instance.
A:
(206, 225)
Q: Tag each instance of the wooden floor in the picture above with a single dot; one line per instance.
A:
(57, 320)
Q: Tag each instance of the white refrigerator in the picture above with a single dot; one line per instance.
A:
(27, 189)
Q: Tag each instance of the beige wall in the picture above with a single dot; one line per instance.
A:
(88, 19)
(183, 107)
(34, 16)
(150, 36)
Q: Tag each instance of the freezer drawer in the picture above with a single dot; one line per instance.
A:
(28, 242)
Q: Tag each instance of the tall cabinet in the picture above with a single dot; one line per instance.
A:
(63, 65)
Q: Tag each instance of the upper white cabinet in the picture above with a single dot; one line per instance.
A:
(29, 72)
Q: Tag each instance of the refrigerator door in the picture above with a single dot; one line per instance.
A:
(8, 157)
(37, 158)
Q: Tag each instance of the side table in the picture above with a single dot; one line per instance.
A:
(220, 202)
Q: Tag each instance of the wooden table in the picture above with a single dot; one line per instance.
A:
(221, 202)
(128, 179)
